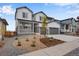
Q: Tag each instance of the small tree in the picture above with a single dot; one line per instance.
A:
(44, 25)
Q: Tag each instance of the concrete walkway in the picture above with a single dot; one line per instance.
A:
(58, 50)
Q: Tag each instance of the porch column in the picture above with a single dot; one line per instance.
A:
(59, 31)
(48, 31)
(39, 30)
(33, 27)
(71, 28)
(64, 28)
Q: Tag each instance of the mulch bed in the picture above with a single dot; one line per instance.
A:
(50, 42)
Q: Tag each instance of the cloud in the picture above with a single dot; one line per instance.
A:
(71, 8)
(73, 12)
(63, 4)
(60, 4)
(7, 9)
(67, 5)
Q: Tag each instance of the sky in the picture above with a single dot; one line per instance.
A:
(58, 11)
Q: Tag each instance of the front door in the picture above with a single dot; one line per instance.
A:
(35, 28)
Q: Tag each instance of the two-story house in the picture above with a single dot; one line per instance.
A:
(68, 25)
(28, 23)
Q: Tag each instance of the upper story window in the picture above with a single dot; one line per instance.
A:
(25, 15)
(40, 18)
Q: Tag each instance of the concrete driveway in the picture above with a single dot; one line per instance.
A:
(66, 38)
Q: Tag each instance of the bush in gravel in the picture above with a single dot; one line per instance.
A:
(34, 37)
(33, 44)
(16, 38)
(27, 39)
(18, 43)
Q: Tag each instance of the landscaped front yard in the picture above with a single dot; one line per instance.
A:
(28, 43)
(24, 44)
(32, 43)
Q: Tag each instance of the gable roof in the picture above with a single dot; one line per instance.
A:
(44, 14)
(21, 8)
(25, 8)
(40, 12)
(4, 21)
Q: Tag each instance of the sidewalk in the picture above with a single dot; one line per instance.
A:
(58, 50)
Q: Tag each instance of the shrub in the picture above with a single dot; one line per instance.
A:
(33, 44)
(16, 38)
(27, 39)
(19, 43)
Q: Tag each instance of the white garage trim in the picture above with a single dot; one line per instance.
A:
(54, 25)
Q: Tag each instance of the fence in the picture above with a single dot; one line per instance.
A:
(9, 34)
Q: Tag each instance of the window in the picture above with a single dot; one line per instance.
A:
(67, 26)
(40, 18)
(25, 15)
(20, 27)
(25, 27)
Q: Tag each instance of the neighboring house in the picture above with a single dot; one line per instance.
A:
(77, 26)
(3, 24)
(68, 25)
(29, 23)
